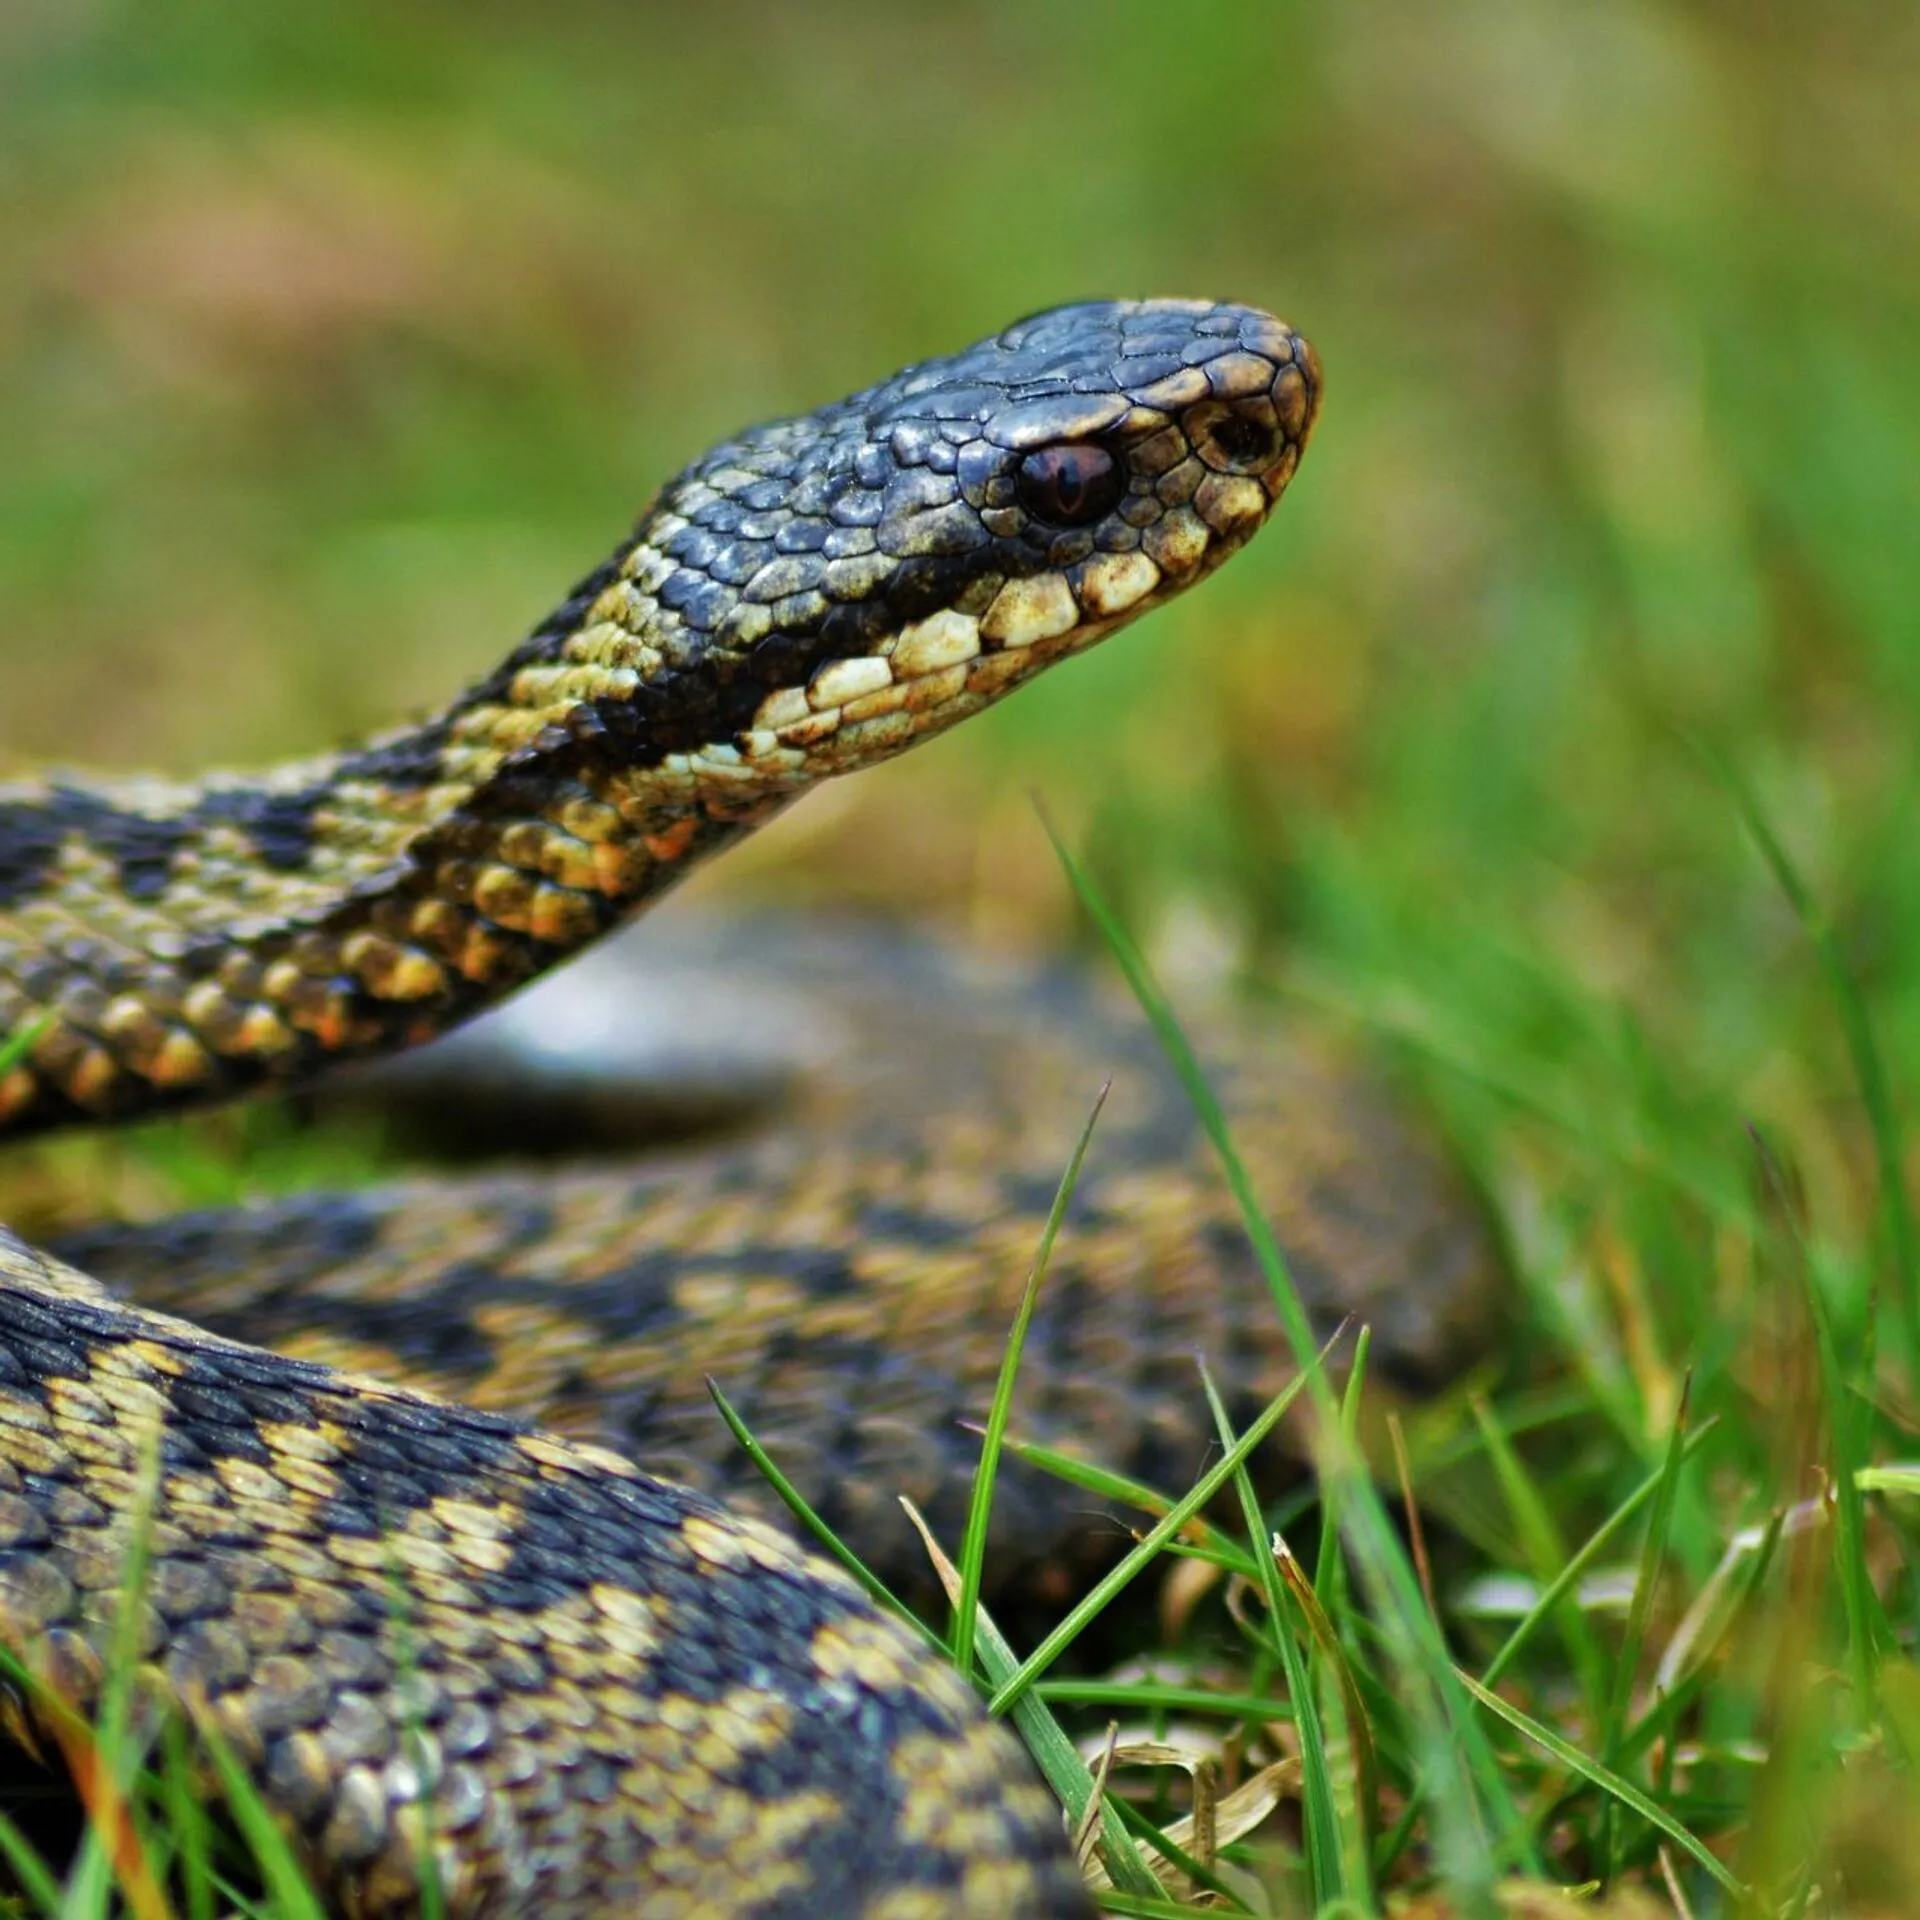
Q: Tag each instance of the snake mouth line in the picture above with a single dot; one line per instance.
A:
(808, 598)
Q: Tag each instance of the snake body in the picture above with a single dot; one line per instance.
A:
(845, 1259)
(442, 1639)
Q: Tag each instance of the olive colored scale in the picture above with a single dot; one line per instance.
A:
(443, 1641)
(805, 600)
(846, 1261)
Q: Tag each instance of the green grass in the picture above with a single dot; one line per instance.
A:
(1350, 1663)
(1561, 735)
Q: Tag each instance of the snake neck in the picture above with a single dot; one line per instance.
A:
(165, 942)
(805, 599)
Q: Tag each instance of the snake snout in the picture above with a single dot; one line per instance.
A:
(1261, 409)
(1244, 438)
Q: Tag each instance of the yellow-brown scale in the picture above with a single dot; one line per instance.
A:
(444, 1644)
(805, 600)
(847, 1270)
(437, 1637)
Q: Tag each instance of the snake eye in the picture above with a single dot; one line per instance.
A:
(1071, 485)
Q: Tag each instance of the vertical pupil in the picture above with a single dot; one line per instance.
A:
(1069, 486)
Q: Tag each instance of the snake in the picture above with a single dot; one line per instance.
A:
(441, 1537)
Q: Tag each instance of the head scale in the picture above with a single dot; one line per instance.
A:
(812, 595)
(820, 591)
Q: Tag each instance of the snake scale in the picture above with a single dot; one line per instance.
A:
(484, 1616)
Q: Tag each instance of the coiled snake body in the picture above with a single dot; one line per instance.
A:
(429, 1628)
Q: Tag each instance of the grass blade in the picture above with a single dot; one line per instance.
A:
(1856, 1026)
(1591, 1771)
(1597, 1542)
(34, 1881)
(289, 1892)
(797, 1504)
(1653, 1557)
(1545, 1551)
(973, 1542)
(1136, 1561)
(1451, 1734)
(1054, 1754)
(15, 1046)
(1327, 1853)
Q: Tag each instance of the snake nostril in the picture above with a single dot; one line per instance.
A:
(1241, 445)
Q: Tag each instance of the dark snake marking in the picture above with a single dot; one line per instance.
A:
(432, 1632)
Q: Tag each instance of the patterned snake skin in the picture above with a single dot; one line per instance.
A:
(440, 1637)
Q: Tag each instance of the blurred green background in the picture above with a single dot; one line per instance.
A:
(334, 343)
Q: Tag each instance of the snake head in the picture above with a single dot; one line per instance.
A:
(819, 592)
(810, 596)
(957, 527)
(1096, 456)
